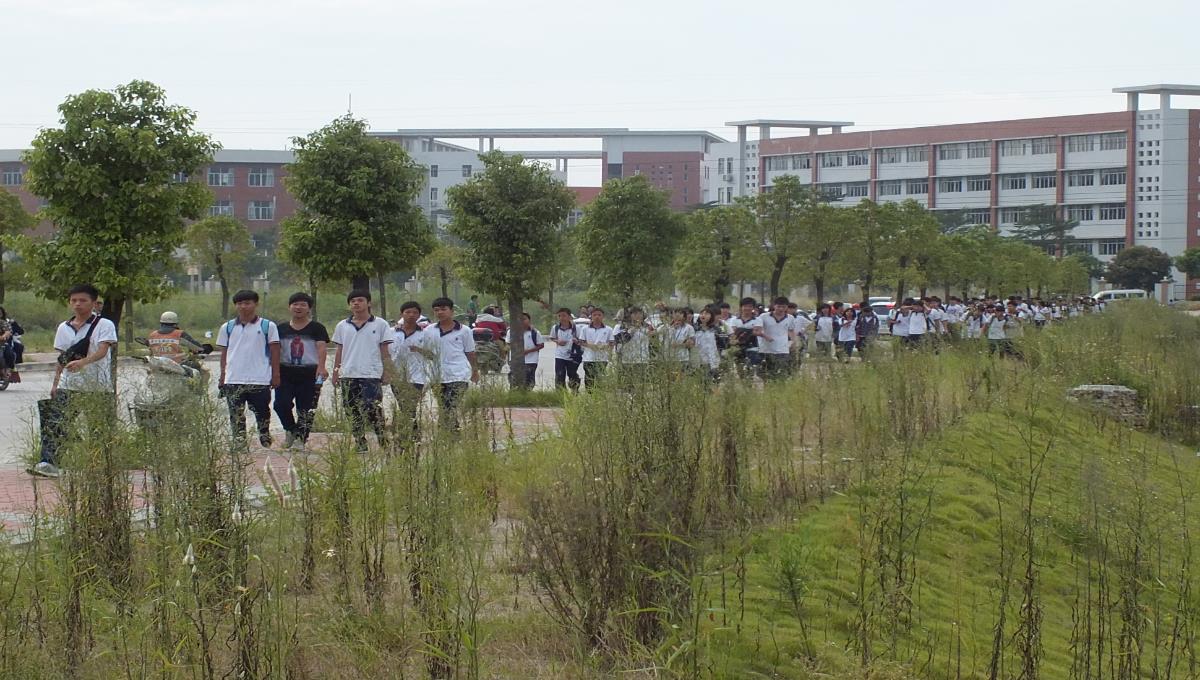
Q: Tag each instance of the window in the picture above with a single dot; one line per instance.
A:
(891, 155)
(979, 150)
(890, 188)
(831, 160)
(915, 154)
(1112, 246)
(1112, 141)
(720, 194)
(858, 158)
(949, 152)
(1013, 182)
(777, 163)
(977, 217)
(918, 186)
(1080, 143)
(950, 186)
(858, 190)
(1080, 247)
(1014, 147)
(1112, 211)
(12, 178)
(832, 192)
(220, 177)
(801, 162)
(221, 208)
(466, 171)
(1011, 215)
(1042, 146)
(262, 210)
(1081, 178)
(983, 183)
(1045, 180)
(1112, 177)
(433, 194)
(261, 177)
(433, 170)
(179, 177)
(1080, 213)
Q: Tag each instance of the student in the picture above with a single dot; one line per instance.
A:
(597, 340)
(847, 335)
(631, 339)
(249, 367)
(533, 350)
(360, 364)
(708, 328)
(567, 353)
(302, 343)
(451, 347)
(824, 328)
(992, 328)
(743, 338)
(412, 366)
(898, 321)
(918, 322)
(867, 329)
(777, 334)
(679, 337)
(83, 371)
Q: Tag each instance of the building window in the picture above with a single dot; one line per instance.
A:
(1013, 182)
(858, 158)
(220, 177)
(220, 208)
(979, 150)
(1112, 246)
(1045, 180)
(1080, 247)
(832, 192)
(12, 178)
(801, 162)
(950, 152)
(179, 177)
(858, 190)
(1112, 141)
(891, 155)
(1112, 211)
(466, 171)
(1112, 177)
(1081, 143)
(262, 210)
(720, 166)
(433, 170)
(918, 186)
(720, 194)
(1081, 178)
(1011, 215)
(977, 217)
(261, 177)
(1080, 213)
(777, 163)
(950, 186)
(1042, 146)
(915, 154)
(1014, 147)
(979, 183)
(890, 188)
(832, 160)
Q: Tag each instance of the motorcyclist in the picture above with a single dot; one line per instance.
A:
(170, 342)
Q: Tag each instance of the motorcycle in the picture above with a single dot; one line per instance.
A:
(171, 388)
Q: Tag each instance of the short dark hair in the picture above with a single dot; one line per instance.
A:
(300, 296)
(748, 301)
(442, 302)
(474, 296)
(596, 309)
(244, 295)
(563, 309)
(411, 304)
(359, 293)
(525, 315)
(723, 305)
(83, 289)
(781, 300)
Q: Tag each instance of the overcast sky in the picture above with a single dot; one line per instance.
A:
(260, 71)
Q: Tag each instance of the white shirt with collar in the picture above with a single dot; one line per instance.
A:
(775, 333)
(95, 377)
(567, 334)
(592, 335)
(531, 359)
(413, 366)
(361, 358)
(247, 355)
(674, 337)
(450, 350)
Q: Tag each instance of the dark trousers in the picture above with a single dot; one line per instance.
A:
(776, 366)
(566, 372)
(449, 398)
(530, 376)
(258, 398)
(408, 399)
(593, 371)
(361, 398)
(57, 412)
(302, 394)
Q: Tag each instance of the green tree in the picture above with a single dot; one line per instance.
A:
(1043, 224)
(443, 263)
(715, 250)
(785, 215)
(1091, 264)
(107, 176)
(822, 245)
(220, 244)
(14, 222)
(872, 229)
(1188, 263)
(627, 239)
(356, 194)
(508, 218)
(916, 235)
(1139, 267)
(301, 245)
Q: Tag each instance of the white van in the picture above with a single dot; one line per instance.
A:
(1121, 294)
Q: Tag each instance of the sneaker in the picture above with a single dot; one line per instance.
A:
(265, 440)
(289, 441)
(44, 469)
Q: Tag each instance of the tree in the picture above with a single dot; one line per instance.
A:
(822, 244)
(356, 194)
(715, 250)
(1043, 224)
(443, 263)
(872, 229)
(1188, 263)
(508, 218)
(627, 240)
(784, 215)
(1139, 267)
(1091, 264)
(108, 176)
(221, 244)
(915, 236)
(14, 222)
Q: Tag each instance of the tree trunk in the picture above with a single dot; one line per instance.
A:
(224, 288)
(550, 297)
(2, 287)
(516, 342)
(382, 295)
(819, 288)
(445, 281)
(312, 290)
(360, 282)
(114, 307)
(776, 275)
(900, 285)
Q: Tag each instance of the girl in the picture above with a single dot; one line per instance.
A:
(708, 327)
(847, 334)
(824, 329)
(679, 337)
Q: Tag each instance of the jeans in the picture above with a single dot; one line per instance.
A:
(408, 399)
(593, 371)
(361, 397)
(566, 372)
(776, 366)
(530, 376)
(846, 347)
(303, 393)
(258, 398)
(449, 398)
(58, 411)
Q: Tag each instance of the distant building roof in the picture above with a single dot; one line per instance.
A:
(1160, 88)
(222, 156)
(786, 123)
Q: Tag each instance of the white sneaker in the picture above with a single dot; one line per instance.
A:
(44, 469)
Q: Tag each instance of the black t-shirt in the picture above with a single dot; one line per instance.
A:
(298, 351)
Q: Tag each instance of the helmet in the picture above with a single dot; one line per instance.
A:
(169, 318)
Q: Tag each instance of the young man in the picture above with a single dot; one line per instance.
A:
(83, 371)
(566, 360)
(777, 334)
(597, 341)
(451, 347)
(170, 341)
(303, 342)
(249, 367)
(746, 357)
(533, 348)
(360, 364)
(412, 365)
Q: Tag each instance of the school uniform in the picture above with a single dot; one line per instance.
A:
(674, 339)
(93, 381)
(566, 368)
(412, 369)
(823, 334)
(775, 346)
(596, 356)
(532, 339)
(847, 336)
(248, 373)
(361, 375)
(707, 353)
(451, 368)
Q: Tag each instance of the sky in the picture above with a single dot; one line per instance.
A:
(259, 72)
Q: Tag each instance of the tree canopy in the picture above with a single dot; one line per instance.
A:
(715, 251)
(220, 244)
(14, 222)
(1139, 267)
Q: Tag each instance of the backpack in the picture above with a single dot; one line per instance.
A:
(264, 325)
(576, 356)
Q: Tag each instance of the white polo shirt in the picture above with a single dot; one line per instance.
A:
(636, 350)
(450, 348)
(360, 346)
(95, 377)
(775, 338)
(247, 361)
(531, 359)
(413, 366)
(596, 336)
(674, 337)
(567, 334)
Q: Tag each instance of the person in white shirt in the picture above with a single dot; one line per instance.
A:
(992, 327)
(678, 337)
(918, 322)
(597, 341)
(823, 330)
(898, 322)
(412, 367)
(249, 367)
(83, 372)
(360, 365)
(451, 346)
(631, 343)
(777, 335)
(708, 328)
(743, 339)
(533, 349)
(567, 355)
(847, 334)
